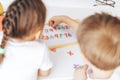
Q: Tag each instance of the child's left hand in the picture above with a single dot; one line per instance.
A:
(80, 73)
(55, 20)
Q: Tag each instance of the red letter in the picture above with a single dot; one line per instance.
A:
(56, 35)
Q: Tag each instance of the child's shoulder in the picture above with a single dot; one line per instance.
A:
(116, 74)
(26, 44)
(40, 44)
(30, 47)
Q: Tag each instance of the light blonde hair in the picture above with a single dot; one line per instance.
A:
(99, 39)
(23, 18)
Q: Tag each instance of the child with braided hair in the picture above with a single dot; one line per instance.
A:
(25, 56)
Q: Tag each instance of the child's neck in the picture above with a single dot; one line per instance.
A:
(30, 38)
(101, 74)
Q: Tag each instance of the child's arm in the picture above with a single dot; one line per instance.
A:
(43, 73)
(1, 58)
(45, 68)
(54, 21)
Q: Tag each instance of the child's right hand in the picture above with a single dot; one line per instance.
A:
(54, 21)
(80, 73)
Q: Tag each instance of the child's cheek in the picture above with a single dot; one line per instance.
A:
(84, 57)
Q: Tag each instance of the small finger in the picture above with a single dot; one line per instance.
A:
(86, 67)
(52, 23)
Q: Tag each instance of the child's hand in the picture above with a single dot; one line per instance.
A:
(54, 21)
(80, 73)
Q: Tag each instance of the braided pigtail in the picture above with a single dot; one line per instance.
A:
(4, 41)
(7, 24)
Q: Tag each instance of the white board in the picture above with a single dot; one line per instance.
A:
(59, 35)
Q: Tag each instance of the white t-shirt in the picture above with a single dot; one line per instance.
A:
(115, 76)
(23, 59)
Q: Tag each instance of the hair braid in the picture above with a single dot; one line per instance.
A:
(8, 23)
(5, 38)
